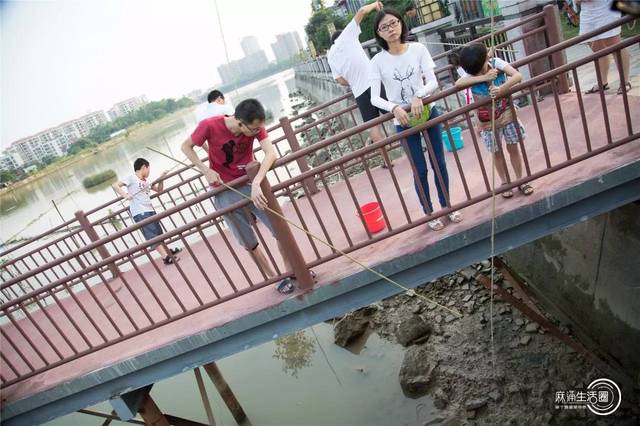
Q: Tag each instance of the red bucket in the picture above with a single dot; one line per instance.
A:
(372, 215)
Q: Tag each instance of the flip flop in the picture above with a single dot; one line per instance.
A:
(507, 194)
(176, 250)
(625, 88)
(285, 286)
(596, 89)
(170, 260)
(313, 276)
(526, 189)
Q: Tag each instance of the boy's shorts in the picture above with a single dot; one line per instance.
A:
(240, 221)
(151, 230)
(508, 135)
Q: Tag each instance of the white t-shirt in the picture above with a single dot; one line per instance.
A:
(402, 76)
(139, 189)
(348, 59)
(213, 110)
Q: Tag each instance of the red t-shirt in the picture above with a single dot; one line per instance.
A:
(228, 153)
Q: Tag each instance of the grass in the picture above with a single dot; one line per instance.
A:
(569, 31)
(98, 178)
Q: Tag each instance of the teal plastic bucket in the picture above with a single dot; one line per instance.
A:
(456, 133)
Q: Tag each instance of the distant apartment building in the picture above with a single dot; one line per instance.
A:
(34, 149)
(248, 65)
(52, 142)
(10, 160)
(287, 46)
(127, 106)
(250, 45)
(81, 127)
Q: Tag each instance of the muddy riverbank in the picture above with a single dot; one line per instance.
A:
(450, 359)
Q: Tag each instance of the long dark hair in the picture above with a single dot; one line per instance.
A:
(382, 42)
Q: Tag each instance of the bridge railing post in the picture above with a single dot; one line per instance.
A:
(309, 183)
(282, 231)
(554, 36)
(93, 236)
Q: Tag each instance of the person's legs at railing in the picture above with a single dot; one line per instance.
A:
(153, 230)
(368, 113)
(499, 160)
(240, 225)
(435, 137)
(603, 64)
(625, 65)
(378, 135)
(421, 180)
(510, 134)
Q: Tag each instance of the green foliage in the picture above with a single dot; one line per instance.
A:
(366, 26)
(148, 113)
(295, 351)
(317, 28)
(7, 176)
(81, 144)
(98, 178)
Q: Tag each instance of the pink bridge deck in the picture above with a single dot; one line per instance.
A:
(328, 273)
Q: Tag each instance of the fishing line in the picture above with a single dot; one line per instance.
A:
(411, 292)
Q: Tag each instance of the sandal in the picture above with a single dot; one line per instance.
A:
(170, 260)
(526, 189)
(455, 217)
(624, 89)
(285, 286)
(435, 224)
(596, 89)
(313, 276)
(176, 250)
(508, 193)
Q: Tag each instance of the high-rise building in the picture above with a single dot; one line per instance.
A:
(287, 45)
(248, 65)
(250, 45)
(279, 51)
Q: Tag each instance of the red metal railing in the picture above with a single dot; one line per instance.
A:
(64, 311)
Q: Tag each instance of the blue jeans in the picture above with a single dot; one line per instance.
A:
(150, 230)
(414, 144)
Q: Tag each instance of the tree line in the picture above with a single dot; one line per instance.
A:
(317, 29)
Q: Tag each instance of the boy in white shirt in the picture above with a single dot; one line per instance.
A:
(137, 193)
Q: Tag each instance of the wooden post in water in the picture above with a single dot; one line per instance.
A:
(151, 414)
(204, 396)
(93, 236)
(225, 392)
(282, 231)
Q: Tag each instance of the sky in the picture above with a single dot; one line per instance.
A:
(63, 58)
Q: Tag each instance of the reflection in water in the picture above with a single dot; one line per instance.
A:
(295, 350)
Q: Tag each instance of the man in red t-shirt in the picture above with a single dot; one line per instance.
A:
(230, 140)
